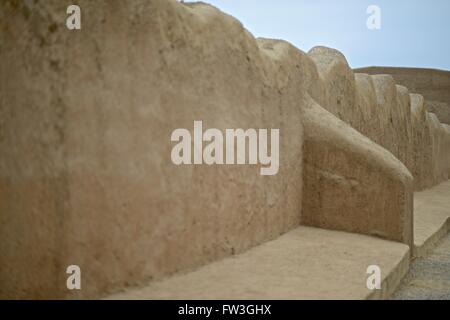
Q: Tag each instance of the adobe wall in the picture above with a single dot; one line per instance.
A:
(86, 176)
(87, 117)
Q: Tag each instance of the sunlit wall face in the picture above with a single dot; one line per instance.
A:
(412, 33)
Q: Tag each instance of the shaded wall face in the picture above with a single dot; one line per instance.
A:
(351, 183)
(87, 177)
(373, 105)
(440, 109)
(87, 117)
(340, 196)
(431, 152)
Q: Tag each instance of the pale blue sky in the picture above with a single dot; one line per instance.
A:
(414, 33)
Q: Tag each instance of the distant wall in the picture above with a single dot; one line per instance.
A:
(433, 84)
(344, 170)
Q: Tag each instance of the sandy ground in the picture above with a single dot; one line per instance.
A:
(429, 277)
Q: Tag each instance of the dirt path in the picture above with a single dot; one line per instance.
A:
(429, 277)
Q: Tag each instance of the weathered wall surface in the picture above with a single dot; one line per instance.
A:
(374, 105)
(86, 176)
(440, 109)
(343, 169)
(86, 119)
(388, 113)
